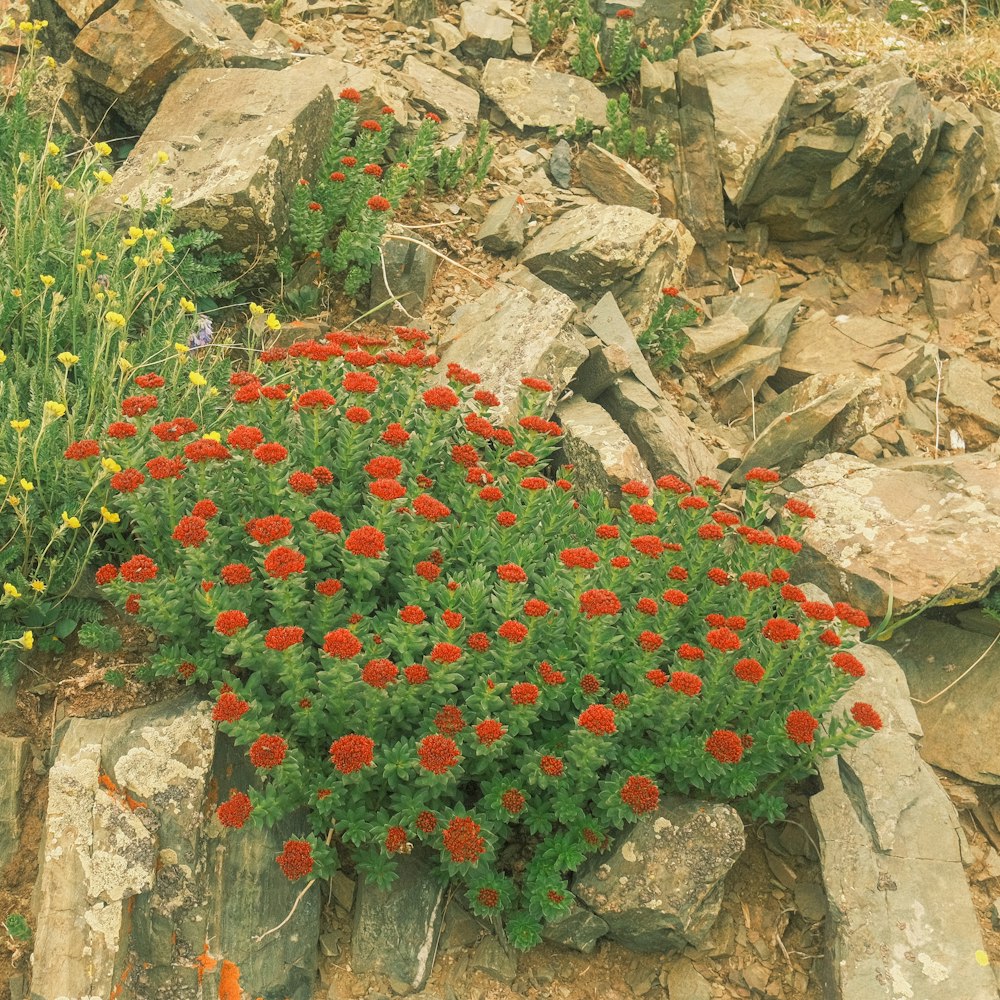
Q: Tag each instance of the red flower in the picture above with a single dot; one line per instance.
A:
(779, 575)
(749, 670)
(640, 794)
(127, 481)
(268, 751)
(762, 476)
(283, 637)
(829, 638)
(478, 642)
(244, 438)
(512, 801)
(231, 622)
(190, 532)
(718, 576)
(206, 450)
(350, 94)
(351, 753)
(589, 684)
(266, 530)
(387, 489)
(358, 415)
(620, 562)
(724, 639)
(139, 569)
(621, 700)
(395, 839)
(851, 615)
(485, 398)
(121, 429)
(417, 673)
(370, 125)
(864, 715)
(329, 587)
(818, 611)
(799, 508)
(365, 541)
(800, 726)
(162, 467)
(489, 731)
(792, 593)
(348, 161)
(235, 812)
(685, 683)
(648, 545)
(106, 574)
(379, 673)
(205, 509)
(598, 719)
(229, 708)
(512, 573)
(270, 453)
(513, 631)
(524, 459)
(430, 509)
(79, 450)
(282, 562)
(136, 406)
(462, 375)
(725, 746)
(431, 117)
(849, 664)
(451, 618)
(538, 384)
(412, 615)
(524, 693)
(372, 170)
(535, 608)
(449, 720)
(174, 430)
(342, 644)
(790, 544)
(581, 558)
(323, 521)
(296, 859)
(395, 435)
(462, 840)
(688, 652)
(656, 677)
(780, 630)
(441, 397)
(642, 513)
(650, 641)
(302, 482)
(755, 581)
(426, 822)
(438, 754)
(445, 652)
(506, 519)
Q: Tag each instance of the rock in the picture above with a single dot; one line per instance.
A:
(852, 153)
(502, 231)
(874, 528)
(414, 12)
(794, 54)
(539, 98)
(825, 413)
(461, 929)
(933, 654)
(955, 259)
(578, 929)
(588, 250)
(513, 331)
(129, 56)
(777, 324)
(445, 33)
(751, 303)
(967, 386)
(667, 441)
(948, 299)
(13, 760)
(737, 378)
(607, 323)
(396, 930)
(487, 36)
(718, 336)
(135, 874)
(661, 887)
(456, 103)
(410, 269)
(935, 205)
(238, 141)
(615, 181)
(751, 92)
(605, 364)
(686, 982)
(495, 960)
(561, 164)
(901, 920)
(79, 12)
(603, 457)
(249, 16)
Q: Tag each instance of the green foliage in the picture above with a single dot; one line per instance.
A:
(625, 55)
(456, 167)
(663, 339)
(114, 678)
(103, 638)
(546, 19)
(907, 12)
(17, 927)
(586, 61)
(631, 142)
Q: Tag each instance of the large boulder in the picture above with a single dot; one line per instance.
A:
(13, 760)
(660, 889)
(916, 529)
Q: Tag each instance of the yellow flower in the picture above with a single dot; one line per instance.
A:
(135, 232)
(53, 149)
(47, 280)
(102, 149)
(103, 176)
(162, 157)
(40, 24)
(25, 26)
(13, 501)
(101, 256)
(53, 409)
(25, 158)
(86, 254)
(128, 241)
(28, 639)
(3, 480)
(16, 292)
(80, 268)
(20, 425)
(167, 246)
(181, 348)
(273, 322)
(114, 319)
(37, 586)
(27, 485)
(53, 183)
(50, 62)
(11, 591)
(124, 364)
(70, 522)
(187, 305)
(140, 262)
(166, 200)
(123, 198)
(212, 436)
(111, 465)
(256, 310)
(68, 358)
(149, 233)
(110, 517)
(3, 357)
(196, 378)
(212, 391)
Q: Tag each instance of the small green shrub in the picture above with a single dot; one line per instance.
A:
(103, 638)
(17, 927)
(663, 339)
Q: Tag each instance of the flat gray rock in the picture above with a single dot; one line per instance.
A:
(538, 98)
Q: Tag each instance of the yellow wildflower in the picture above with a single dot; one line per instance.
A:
(103, 176)
(187, 305)
(129, 241)
(47, 280)
(123, 198)
(40, 24)
(27, 485)
(166, 245)
(196, 378)
(53, 183)
(124, 364)
(3, 357)
(102, 149)
(37, 586)
(25, 26)
(16, 292)
(53, 409)
(162, 157)
(111, 465)
(50, 62)
(166, 200)
(140, 262)
(212, 436)
(256, 310)
(68, 358)
(80, 268)
(28, 639)
(101, 256)
(273, 322)
(11, 591)
(86, 254)
(212, 391)
(114, 319)
(110, 517)
(3, 480)
(135, 232)
(13, 501)
(20, 425)
(149, 233)
(25, 158)
(70, 522)
(53, 149)
(181, 348)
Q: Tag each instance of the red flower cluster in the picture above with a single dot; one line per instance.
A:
(190, 532)
(780, 630)
(598, 719)
(640, 794)
(80, 450)
(524, 693)
(513, 631)
(449, 720)
(342, 644)
(296, 859)
(351, 753)
(800, 726)
(512, 801)
(489, 731)
(599, 602)
(139, 569)
(749, 670)
(438, 754)
(268, 751)
(229, 708)
(581, 558)
(685, 683)
(552, 766)
(725, 746)
(864, 715)
(282, 562)
(462, 841)
(231, 622)
(235, 812)
(283, 637)
(366, 541)
(849, 663)
(267, 530)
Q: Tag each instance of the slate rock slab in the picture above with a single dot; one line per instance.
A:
(538, 98)
(13, 760)
(919, 528)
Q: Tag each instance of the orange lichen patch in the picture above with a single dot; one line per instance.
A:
(120, 985)
(229, 981)
(106, 782)
(205, 963)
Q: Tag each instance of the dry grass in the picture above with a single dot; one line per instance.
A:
(953, 50)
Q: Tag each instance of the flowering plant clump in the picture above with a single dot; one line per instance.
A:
(423, 639)
(664, 338)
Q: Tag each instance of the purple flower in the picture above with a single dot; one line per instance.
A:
(202, 336)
